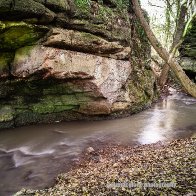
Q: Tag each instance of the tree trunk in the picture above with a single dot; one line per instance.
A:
(164, 75)
(154, 70)
(180, 25)
(188, 85)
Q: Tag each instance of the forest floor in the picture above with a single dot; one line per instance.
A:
(153, 169)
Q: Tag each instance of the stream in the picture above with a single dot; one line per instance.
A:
(33, 156)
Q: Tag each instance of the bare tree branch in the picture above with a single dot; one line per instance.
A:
(188, 85)
(177, 40)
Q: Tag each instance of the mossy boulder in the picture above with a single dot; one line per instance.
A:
(15, 35)
(188, 50)
(59, 6)
(53, 104)
(141, 88)
(98, 18)
(188, 47)
(36, 101)
(142, 83)
(2, 26)
(188, 64)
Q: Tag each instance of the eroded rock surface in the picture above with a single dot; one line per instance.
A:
(70, 60)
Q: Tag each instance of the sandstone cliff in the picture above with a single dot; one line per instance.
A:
(71, 59)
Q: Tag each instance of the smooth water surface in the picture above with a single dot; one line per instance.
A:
(33, 156)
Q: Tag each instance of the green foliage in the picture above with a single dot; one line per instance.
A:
(123, 4)
(190, 27)
(165, 16)
(83, 4)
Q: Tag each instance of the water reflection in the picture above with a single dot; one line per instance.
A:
(160, 124)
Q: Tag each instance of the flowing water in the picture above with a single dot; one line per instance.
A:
(33, 156)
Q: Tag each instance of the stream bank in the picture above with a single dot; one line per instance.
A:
(31, 157)
(153, 169)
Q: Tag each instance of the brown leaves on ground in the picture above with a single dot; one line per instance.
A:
(99, 173)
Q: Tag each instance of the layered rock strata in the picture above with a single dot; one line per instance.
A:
(70, 60)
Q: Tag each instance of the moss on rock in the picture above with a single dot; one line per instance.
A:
(34, 101)
(51, 104)
(6, 113)
(60, 5)
(20, 9)
(142, 84)
(19, 34)
(99, 18)
(2, 26)
(5, 60)
(188, 47)
(141, 89)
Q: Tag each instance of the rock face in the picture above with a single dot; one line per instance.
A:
(70, 60)
(188, 50)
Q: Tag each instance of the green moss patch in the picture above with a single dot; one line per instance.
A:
(20, 10)
(83, 5)
(6, 113)
(18, 34)
(60, 5)
(99, 18)
(5, 60)
(188, 47)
